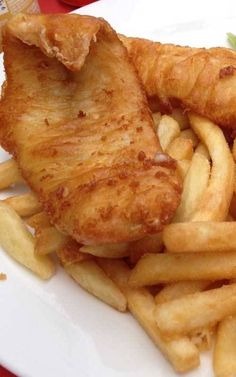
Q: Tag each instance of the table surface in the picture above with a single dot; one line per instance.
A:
(52, 6)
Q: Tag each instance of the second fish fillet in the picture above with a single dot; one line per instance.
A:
(198, 79)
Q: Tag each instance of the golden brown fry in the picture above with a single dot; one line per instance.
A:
(19, 243)
(149, 244)
(200, 237)
(49, 240)
(183, 167)
(38, 221)
(215, 202)
(195, 311)
(180, 148)
(203, 338)
(202, 149)
(182, 353)
(24, 205)
(153, 269)
(117, 270)
(94, 280)
(195, 185)
(167, 130)
(224, 357)
(9, 174)
(179, 289)
(118, 250)
(189, 134)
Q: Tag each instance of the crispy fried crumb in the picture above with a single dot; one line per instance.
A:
(226, 71)
(141, 156)
(3, 276)
(81, 114)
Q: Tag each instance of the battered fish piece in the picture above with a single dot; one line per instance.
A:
(200, 79)
(76, 119)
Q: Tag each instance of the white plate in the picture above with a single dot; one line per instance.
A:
(54, 329)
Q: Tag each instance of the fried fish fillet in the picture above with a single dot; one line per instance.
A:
(200, 79)
(75, 117)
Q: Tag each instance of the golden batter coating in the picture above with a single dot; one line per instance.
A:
(76, 119)
(202, 80)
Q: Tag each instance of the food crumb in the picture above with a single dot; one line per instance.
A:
(226, 71)
(3, 276)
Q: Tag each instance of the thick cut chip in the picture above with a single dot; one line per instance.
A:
(181, 352)
(19, 243)
(214, 204)
(181, 288)
(154, 269)
(194, 187)
(93, 279)
(9, 174)
(195, 311)
(25, 204)
(224, 359)
(200, 236)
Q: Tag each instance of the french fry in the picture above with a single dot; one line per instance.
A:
(94, 280)
(202, 149)
(203, 338)
(195, 185)
(181, 118)
(189, 134)
(200, 237)
(196, 311)
(24, 205)
(19, 243)
(149, 244)
(9, 174)
(214, 204)
(182, 353)
(118, 250)
(117, 270)
(183, 167)
(179, 289)
(38, 221)
(180, 148)
(49, 240)
(154, 269)
(70, 253)
(224, 356)
(168, 129)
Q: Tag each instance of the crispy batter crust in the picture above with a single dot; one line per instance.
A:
(200, 79)
(76, 119)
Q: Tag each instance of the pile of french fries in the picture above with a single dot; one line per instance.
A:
(180, 284)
